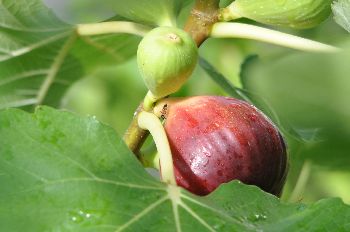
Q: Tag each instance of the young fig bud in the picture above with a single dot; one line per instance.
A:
(289, 13)
(166, 57)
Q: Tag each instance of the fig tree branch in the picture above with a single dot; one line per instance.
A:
(134, 136)
(203, 15)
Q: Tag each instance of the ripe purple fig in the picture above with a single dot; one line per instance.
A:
(216, 139)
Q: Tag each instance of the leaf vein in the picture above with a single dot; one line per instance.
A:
(27, 49)
(142, 213)
(196, 216)
(23, 75)
(44, 88)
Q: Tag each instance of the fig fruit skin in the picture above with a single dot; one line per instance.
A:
(300, 14)
(166, 58)
(217, 139)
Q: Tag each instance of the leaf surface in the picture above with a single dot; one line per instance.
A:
(311, 91)
(41, 56)
(61, 172)
(151, 12)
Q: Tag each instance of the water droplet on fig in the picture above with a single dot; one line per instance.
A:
(206, 162)
(252, 117)
(206, 153)
(270, 130)
(219, 172)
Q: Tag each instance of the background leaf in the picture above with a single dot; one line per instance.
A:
(67, 173)
(40, 56)
(341, 11)
(152, 12)
(295, 89)
(222, 81)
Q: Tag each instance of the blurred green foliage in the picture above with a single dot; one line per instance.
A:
(310, 93)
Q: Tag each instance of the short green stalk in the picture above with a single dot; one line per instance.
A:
(149, 101)
(112, 27)
(247, 31)
(301, 183)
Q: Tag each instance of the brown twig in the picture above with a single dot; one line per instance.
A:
(203, 15)
(134, 136)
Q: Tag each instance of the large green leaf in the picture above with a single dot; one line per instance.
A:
(268, 214)
(60, 172)
(40, 56)
(71, 173)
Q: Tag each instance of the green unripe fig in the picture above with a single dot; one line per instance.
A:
(166, 57)
(298, 14)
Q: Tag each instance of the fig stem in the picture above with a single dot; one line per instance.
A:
(247, 31)
(149, 101)
(134, 136)
(112, 27)
(203, 15)
(301, 182)
(149, 121)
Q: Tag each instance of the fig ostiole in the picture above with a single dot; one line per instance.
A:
(214, 140)
(166, 57)
(289, 13)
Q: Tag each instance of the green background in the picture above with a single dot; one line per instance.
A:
(308, 92)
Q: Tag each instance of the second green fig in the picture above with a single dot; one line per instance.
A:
(298, 14)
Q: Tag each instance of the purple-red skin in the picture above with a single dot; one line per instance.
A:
(217, 139)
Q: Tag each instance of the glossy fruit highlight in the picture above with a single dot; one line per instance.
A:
(217, 139)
